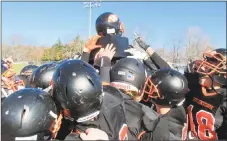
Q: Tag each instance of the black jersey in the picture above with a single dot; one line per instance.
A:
(170, 126)
(207, 114)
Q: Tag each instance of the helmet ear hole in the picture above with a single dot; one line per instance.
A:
(89, 79)
(23, 114)
(66, 91)
(84, 65)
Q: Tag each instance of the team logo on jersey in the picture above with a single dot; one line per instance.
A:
(112, 18)
(123, 133)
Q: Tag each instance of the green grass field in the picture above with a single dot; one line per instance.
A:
(17, 67)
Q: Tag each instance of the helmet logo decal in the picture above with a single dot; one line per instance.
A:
(121, 73)
(130, 77)
(112, 18)
(110, 31)
(124, 86)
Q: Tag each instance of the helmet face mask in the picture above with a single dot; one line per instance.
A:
(213, 63)
(10, 83)
(166, 87)
(150, 90)
(8, 73)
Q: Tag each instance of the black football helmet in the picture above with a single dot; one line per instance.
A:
(27, 70)
(109, 24)
(77, 90)
(128, 73)
(30, 112)
(214, 65)
(165, 87)
(26, 73)
(42, 76)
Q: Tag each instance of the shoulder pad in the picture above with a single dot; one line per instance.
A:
(149, 112)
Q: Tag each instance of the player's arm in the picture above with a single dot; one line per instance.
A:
(222, 130)
(85, 56)
(89, 46)
(105, 69)
(105, 56)
(156, 59)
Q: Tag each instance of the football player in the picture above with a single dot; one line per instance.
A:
(207, 99)
(166, 88)
(106, 24)
(78, 92)
(42, 76)
(29, 114)
(129, 76)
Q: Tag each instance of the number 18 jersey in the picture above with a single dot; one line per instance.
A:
(207, 114)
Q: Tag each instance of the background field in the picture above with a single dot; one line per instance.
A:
(17, 67)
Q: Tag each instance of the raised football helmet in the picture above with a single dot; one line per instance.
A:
(109, 24)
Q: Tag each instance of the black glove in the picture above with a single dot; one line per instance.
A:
(142, 44)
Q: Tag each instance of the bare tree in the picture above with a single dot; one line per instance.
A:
(175, 53)
(196, 43)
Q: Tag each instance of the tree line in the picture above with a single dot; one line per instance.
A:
(56, 52)
(176, 51)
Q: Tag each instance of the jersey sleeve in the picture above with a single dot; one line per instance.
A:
(105, 69)
(158, 61)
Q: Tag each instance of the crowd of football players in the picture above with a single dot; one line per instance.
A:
(115, 92)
